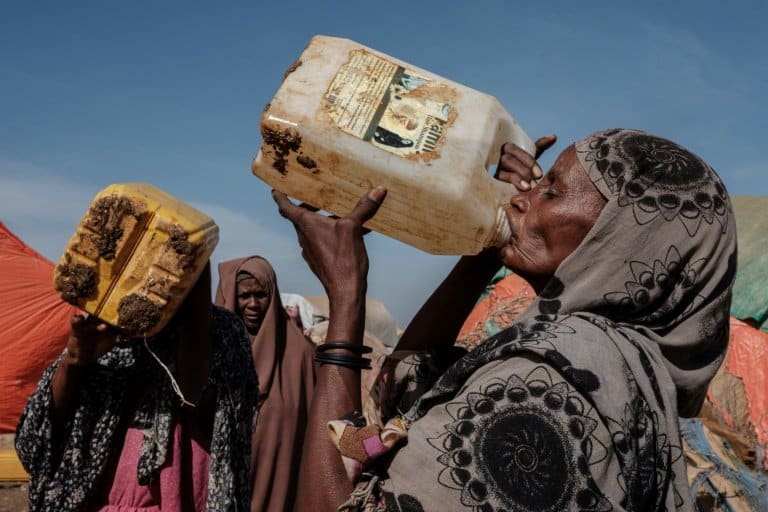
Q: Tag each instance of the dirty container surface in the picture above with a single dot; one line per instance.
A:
(134, 256)
(347, 118)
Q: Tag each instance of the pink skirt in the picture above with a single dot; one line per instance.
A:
(182, 485)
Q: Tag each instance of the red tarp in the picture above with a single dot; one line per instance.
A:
(496, 311)
(34, 324)
(748, 360)
(738, 395)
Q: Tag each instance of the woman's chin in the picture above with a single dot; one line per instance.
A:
(507, 256)
(252, 326)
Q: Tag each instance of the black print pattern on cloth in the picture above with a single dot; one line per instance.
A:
(716, 326)
(646, 454)
(660, 290)
(65, 472)
(535, 335)
(549, 303)
(538, 335)
(402, 381)
(610, 330)
(663, 179)
(401, 503)
(639, 439)
(524, 444)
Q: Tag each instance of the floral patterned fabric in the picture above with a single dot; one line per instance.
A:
(532, 429)
(65, 472)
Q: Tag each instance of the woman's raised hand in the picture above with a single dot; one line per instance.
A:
(89, 339)
(335, 252)
(334, 247)
(518, 167)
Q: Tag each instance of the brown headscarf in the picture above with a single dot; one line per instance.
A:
(283, 358)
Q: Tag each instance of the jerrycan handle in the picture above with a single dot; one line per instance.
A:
(507, 130)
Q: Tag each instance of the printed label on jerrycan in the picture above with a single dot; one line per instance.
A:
(390, 106)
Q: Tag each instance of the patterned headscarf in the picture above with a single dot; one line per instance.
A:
(666, 247)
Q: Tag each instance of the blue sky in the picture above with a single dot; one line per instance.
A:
(93, 93)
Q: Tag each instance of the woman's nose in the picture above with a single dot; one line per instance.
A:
(520, 202)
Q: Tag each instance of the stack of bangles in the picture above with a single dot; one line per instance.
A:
(356, 362)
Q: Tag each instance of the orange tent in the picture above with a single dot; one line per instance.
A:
(34, 324)
(737, 398)
(497, 310)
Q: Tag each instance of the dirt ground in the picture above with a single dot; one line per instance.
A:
(13, 497)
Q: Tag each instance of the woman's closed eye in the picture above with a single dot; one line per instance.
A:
(548, 187)
(547, 191)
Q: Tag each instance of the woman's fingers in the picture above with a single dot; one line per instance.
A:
(309, 207)
(286, 208)
(517, 167)
(76, 321)
(84, 326)
(368, 205)
(544, 144)
(513, 178)
(89, 339)
(364, 210)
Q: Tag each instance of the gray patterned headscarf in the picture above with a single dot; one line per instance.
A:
(666, 247)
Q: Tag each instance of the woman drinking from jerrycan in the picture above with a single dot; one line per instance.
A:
(629, 241)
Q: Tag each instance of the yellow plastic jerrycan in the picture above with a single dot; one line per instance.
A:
(134, 257)
(347, 118)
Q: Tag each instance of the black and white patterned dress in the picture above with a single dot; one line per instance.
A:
(65, 472)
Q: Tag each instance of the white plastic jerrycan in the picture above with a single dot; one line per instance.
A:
(347, 118)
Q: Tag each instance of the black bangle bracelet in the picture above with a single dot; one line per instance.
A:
(334, 358)
(348, 364)
(352, 347)
(341, 360)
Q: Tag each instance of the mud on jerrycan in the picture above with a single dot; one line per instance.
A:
(347, 118)
(134, 256)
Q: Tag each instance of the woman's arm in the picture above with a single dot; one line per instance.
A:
(88, 340)
(335, 252)
(66, 401)
(439, 320)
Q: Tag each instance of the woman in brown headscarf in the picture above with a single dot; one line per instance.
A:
(283, 358)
